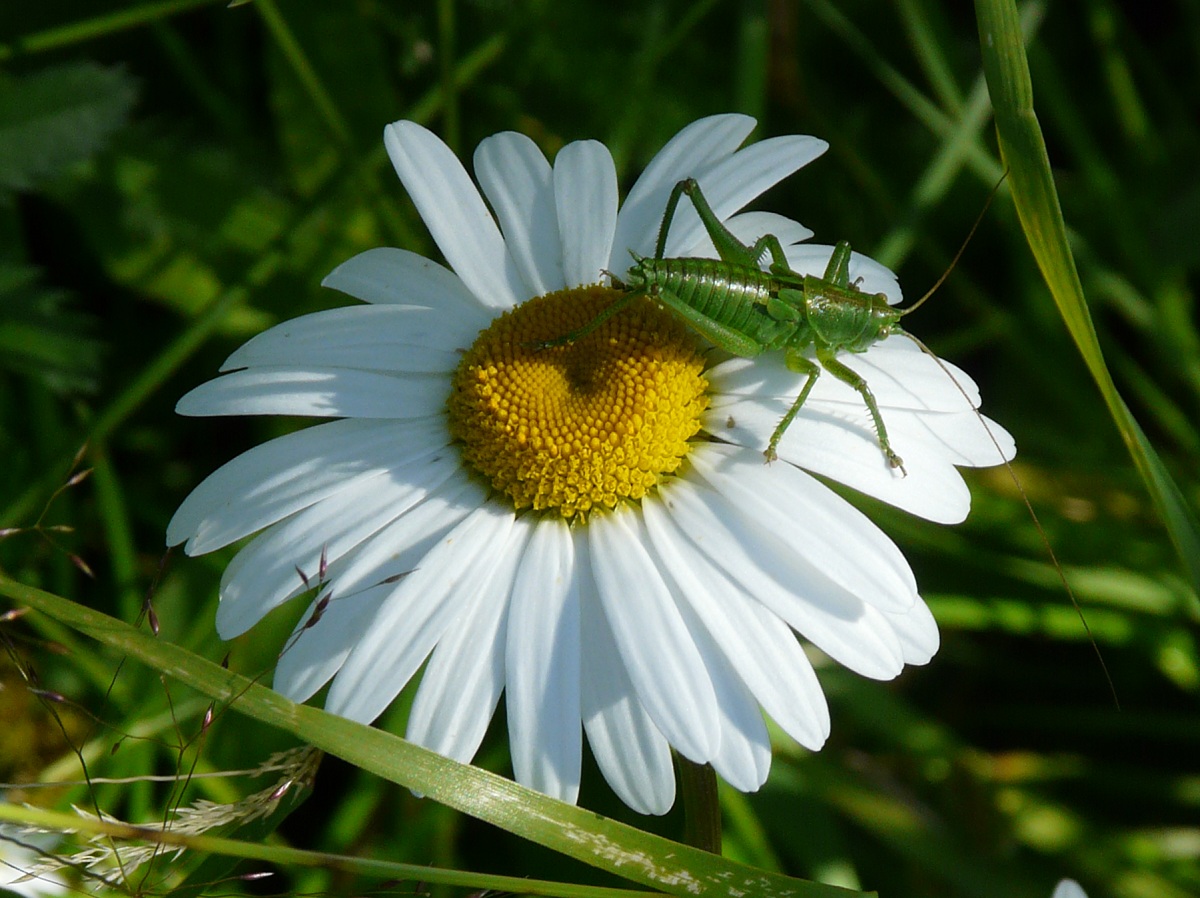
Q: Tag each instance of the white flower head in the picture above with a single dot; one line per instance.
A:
(588, 528)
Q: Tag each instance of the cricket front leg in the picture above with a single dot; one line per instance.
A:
(607, 312)
(854, 379)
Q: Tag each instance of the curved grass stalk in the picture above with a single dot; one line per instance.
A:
(1036, 199)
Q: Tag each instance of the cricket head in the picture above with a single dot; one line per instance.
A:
(849, 319)
(637, 277)
(884, 320)
(886, 317)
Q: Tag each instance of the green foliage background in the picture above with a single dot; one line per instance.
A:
(176, 176)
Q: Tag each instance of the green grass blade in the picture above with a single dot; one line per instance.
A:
(1024, 150)
(249, 849)
(90, 29)
(584, 835)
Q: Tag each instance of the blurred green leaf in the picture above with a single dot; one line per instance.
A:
(42, 337)
(52, 119)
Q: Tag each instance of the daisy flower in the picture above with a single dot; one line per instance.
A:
(589, 528)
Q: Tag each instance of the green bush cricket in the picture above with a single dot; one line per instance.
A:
(746, 310)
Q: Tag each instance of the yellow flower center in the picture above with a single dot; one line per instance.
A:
(582, 426)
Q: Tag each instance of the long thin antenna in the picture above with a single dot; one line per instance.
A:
(958, 255)
(1062, 576)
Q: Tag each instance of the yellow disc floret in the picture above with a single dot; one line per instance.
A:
(582, 426)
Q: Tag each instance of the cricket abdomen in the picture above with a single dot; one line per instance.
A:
(734, 295)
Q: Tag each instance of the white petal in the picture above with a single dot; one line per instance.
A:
(400, 547)
(827, 532)
(973, 439)
(865, 273)
(389, 275)
(909, 377)
(730, 183)
(633, 755)
(271, 481)
(263, 575)
(659, 653)
(744, 757)
(853, 633)
(455, 214)
(748, 227)
(517, 180)
(918, 633)
(897, 371)
(381, 338)
(414, 616)
(317, 650)
(694, 147)
(834, 434)
(318, 392)
(807, 718)
(839, 442)
(462, 682)
(543, 681)
(361, 580)
(760, 646)
(903, 376)
(585, 195)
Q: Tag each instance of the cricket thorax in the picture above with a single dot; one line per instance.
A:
(847, 319)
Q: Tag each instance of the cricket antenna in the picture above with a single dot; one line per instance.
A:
(958, 255)
(1062, 576)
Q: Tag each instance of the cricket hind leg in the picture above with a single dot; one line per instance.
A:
(852, 378)
(728, 247)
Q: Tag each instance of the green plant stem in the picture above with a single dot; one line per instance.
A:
(89, 29)
(701, 804)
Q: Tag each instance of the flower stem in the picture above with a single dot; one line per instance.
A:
(701, 805)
